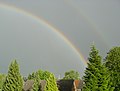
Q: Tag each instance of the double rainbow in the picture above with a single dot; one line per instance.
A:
(47, 24)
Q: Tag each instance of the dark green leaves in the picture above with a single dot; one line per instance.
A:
(96, 76)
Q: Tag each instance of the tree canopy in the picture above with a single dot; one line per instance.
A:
(50, 79)
(96, 77)
(2, 79)
(36, 85)
(71, 75)
(13, 81)
(112, 62)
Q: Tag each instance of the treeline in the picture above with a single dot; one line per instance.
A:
(100, 74)
(14, 81)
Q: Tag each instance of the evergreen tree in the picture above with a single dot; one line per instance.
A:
(36, 85)
(96, 77)
(31, 76)
(13, 81)
(72, 75)
(2, 79)
(51, 81)
(112, 62)
(41, 74)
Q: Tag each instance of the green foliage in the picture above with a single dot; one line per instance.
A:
(13, 81)
(112, 62)
(31, 76)
(48, 77)
(72, 75)
(36, 85)
(51, 81)
(2, 79)
(41, 74)
(96, 77)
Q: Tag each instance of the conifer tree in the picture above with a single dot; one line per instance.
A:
(51, 82)
(2, 79)
(36, 85)
(31, 76)
(96, 77)
(13, 81)
(112, 62)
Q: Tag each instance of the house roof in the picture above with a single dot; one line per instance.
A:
(78, 84)
(69, 85)
(65, 85)
(42, 84)
(28, 85)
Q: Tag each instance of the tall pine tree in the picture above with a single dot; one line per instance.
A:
(13, 81)
(113, 64)
(96, 77)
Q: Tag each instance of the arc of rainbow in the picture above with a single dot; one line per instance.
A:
(88, 19)
(47, 24)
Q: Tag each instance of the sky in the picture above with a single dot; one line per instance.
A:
(37, 46)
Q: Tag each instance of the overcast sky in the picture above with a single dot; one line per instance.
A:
(81, 21)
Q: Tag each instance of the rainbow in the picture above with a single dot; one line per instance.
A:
(95, 27)
(47, 24)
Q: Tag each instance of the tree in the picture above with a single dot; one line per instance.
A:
(50, 79)
(112, 62)
(41, 74)
(36, 85)
(31, 76)
(96, 77)
(71, 75)
(2, 79)
(13, 81)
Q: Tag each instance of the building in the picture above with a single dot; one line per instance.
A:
(63, 85)
(70, 85)
(28, 85)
